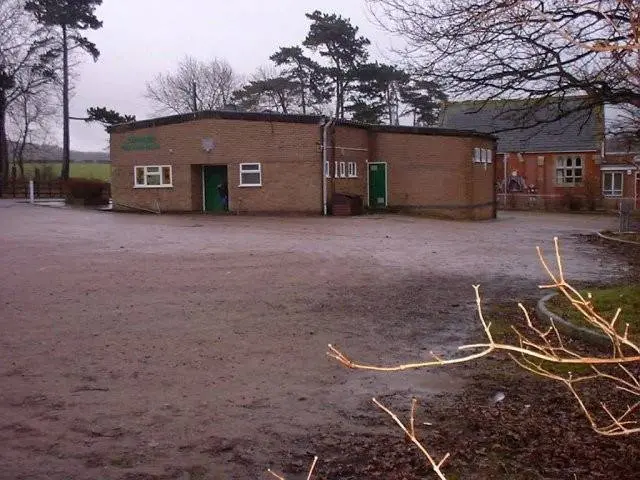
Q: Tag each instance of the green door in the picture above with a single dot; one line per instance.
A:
(215, 183)
(377, 185)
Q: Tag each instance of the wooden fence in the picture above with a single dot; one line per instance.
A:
(42, 189)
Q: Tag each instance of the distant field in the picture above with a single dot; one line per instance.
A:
(98, 171)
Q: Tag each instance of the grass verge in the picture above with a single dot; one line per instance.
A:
(606, 302)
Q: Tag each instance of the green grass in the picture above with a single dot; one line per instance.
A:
(606, 301)
(97, 171)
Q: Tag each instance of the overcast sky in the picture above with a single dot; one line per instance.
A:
(141, 38)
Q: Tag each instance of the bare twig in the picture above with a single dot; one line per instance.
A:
(537, 349)
(311, 469)
(436, 466)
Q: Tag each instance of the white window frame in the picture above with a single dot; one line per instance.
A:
(482, 155)
(477, 155)
(327, 169)
(613, 193)
(146, 175)
(352, 170)
(343, 169)
(243, 169)
(335, 169)
(569, 172)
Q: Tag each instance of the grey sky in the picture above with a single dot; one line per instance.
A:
(141, 38)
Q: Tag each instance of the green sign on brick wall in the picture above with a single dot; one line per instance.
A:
(145, 142)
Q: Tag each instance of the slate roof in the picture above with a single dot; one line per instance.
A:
(520, 124)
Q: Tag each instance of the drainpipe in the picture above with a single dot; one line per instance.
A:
(325, 158)
(505, 157)
(636, 178)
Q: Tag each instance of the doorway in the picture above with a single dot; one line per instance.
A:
(377, 180)
(214, 187)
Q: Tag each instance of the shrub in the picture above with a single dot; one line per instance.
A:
(86, 191)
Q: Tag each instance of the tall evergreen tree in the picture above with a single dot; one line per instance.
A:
(306, 73)
(107, 117)
(336, 39)
(386, 93)
(276, 93)
(378, 90)
(72, 17)
(422, 99)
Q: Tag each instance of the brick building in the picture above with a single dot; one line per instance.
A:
(551, 149)
(273, 163)
(620, 169)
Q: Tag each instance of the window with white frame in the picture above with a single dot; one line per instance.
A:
(482, 155)
(152, 176)
(352, 170)
(327, 169)
(569, 170)
(250, 175)
(477, 155)
(612, 184)
(343, 170)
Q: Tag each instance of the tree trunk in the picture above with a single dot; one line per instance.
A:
(64, 174)
(387, 96)
(4, 145)
(337, 98)
(303, 92)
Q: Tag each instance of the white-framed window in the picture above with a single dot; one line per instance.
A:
(152, 176)
(343, 170)
(327, 169)
(569, 170)
(477, 155)
(336, 172)
(250, 175)
(482, 155)
(612, 183)
(352, 170)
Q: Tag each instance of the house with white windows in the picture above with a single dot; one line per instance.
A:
(553, 152)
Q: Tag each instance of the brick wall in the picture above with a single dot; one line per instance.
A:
(435, 175)
(349, 144)
(288, 152)
(539, 169)
(427, 173)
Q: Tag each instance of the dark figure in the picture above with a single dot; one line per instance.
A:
(223, 192)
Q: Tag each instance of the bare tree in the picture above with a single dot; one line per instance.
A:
(194, 86)
(524, 48)
(23, 48)
(30, 115)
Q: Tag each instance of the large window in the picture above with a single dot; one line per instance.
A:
(153, 176)
(612, 184)
(569, 170)
(250, 175)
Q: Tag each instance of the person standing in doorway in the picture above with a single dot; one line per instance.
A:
(223, 192)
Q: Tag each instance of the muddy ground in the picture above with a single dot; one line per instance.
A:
(160, 347)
